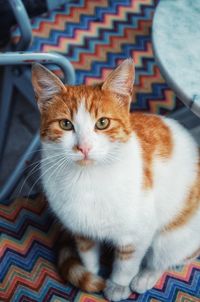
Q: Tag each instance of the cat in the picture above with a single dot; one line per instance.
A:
(129, 179)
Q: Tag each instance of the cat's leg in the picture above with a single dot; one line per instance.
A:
(89, 252)
(148, 274)
(168, 250)
(146, 279)
(126, 265)
(130, 250)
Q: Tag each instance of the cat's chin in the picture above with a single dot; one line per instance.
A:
(84, 162)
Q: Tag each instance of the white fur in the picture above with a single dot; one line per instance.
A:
(91, 258)
(105, 200)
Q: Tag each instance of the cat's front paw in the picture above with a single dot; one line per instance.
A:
(144, 281)
(116, 292)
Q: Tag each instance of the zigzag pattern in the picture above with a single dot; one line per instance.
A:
(28, 262)
(96, 35)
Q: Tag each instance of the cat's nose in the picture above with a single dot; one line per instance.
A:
(85, 149)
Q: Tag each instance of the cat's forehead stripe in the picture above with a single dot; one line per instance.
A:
(89, 96)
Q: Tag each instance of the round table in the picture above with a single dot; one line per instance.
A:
(176, 45)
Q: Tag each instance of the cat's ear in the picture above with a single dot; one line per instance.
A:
(121, 79)
(45, 84)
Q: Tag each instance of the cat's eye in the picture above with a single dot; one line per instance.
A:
(102, 123)
(66, 125)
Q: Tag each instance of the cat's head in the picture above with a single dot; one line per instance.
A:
(88, 123)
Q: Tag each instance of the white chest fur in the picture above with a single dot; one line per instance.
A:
(98, 201)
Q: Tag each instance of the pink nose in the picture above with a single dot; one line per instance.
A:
(85, 149)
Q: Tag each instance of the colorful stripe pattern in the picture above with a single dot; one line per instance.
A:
(28, 262)
(96, 35)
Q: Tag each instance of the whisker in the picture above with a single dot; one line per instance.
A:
(46, 158)
(41, 176)
(36, 168)
(57, 168)
(33, 171)
(41, 149)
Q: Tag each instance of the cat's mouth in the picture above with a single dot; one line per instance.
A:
(85, 162)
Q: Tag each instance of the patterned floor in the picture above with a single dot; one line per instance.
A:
(96, 35)
(28, 235)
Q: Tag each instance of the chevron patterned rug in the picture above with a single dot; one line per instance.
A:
(28, 262)
(96, 35)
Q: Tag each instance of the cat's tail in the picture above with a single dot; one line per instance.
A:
(73, 271)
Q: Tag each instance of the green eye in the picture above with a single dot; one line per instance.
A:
(102, 123)
(66, 125)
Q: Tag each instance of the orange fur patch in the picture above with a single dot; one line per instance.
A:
(84, 244)
(125, 252)
(92, 283)
(155, 138)
(74, 272)
(192, 203)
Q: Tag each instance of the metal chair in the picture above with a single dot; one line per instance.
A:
(17, 75)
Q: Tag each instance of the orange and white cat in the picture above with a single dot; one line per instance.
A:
(129, 179)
